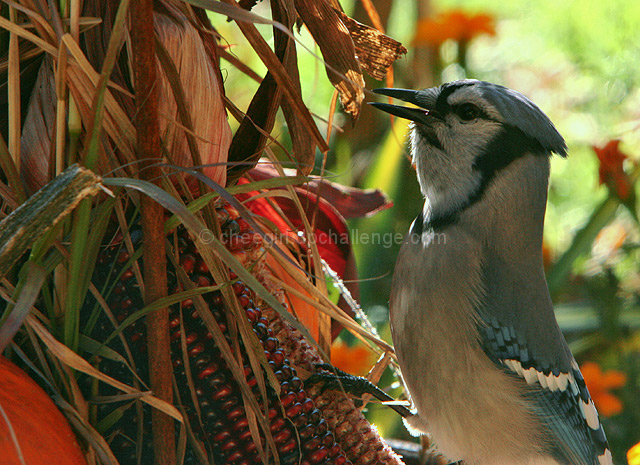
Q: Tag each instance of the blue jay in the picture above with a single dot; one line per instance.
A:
(489, 373)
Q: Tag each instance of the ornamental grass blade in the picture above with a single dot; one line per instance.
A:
(73, 360)
(197, 229)
(29, 289)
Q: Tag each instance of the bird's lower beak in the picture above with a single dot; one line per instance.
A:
(420, 115)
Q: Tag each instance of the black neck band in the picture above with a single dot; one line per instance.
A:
(509, 145)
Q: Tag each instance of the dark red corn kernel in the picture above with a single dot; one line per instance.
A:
(318, 456)
(239, 288)
(174, 323)
(128, 274)
(277, 424)
(196, 349)
(288, 447)
(277, 357)
(282, 436)
(203, 281)
(221, 393)
(201, 362)
(123, 256)
(235, 413)
(305, 432)
(231, 447)
(287, 399)
(296, 383)
(241, 424)
(272, 413)
(322, 426)
(300, 420)
(126, 303)
(217, 424)
(234, 457)
(335, 450)
(270, 344)
(328, 440)
(230, 403)
(188, 262)
(312, 444)
(222, 436)
(261, 330)
(244, 435)
(294, 410)
(315, 416)
(244, 300)
(307, 405)
(202, 267)
(340, 460)
(302, 396)
(252, 314)
(191, 338)
(208, 370)
(174, 336)
(251, 447)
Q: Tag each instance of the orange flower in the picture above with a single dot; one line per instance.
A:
(454, 24)
(633, 455)
(599, 385)
(611, 171)
(356, 360)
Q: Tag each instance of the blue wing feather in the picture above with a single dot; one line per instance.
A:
(561, 400)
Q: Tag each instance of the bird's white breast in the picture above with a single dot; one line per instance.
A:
(474, 411)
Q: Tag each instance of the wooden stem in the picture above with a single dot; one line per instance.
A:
(154, 257)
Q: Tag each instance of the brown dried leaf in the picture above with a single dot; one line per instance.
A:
(38, 129)
(250, 138)
(338, 51)
(201, 85)
(304, 147)
(247, 4)
(375, 51)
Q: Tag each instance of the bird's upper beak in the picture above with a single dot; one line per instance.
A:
(423, 114)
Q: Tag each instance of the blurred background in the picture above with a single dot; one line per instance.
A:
(578, 61)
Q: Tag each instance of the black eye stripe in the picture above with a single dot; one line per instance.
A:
(468, 111)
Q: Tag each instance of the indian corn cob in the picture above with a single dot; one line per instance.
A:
(306, 428)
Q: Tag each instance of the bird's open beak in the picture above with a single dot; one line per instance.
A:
(419, 115)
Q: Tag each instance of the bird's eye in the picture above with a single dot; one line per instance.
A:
(467, 111)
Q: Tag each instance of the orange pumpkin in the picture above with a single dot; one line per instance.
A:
(32, 429)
